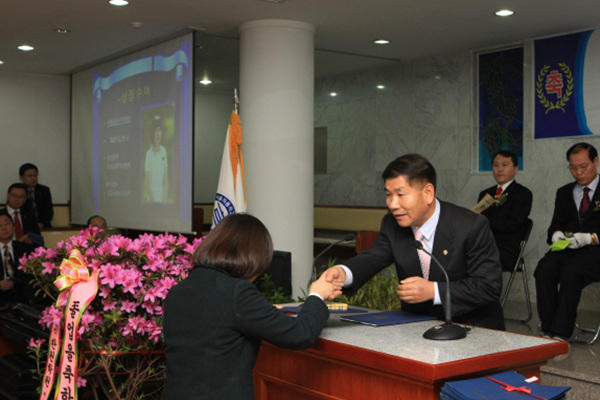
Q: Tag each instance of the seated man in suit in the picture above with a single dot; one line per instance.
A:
(39, 199)
(14, 283)
(460, 239)
(560, 276)
(24, 220)
(508, 216)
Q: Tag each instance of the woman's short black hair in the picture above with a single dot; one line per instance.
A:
(240, 245)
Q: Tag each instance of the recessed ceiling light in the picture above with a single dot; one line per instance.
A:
(333, 94)
(504, 13)
(380, 86)
(381, 41)
(1, 62)
(206, 81)
(62, 30)
(118, 2)
(25, 47)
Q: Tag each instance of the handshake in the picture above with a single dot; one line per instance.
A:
(578, 239)
(329, 284)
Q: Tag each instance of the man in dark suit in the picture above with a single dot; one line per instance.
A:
(508, 215)
(39, 199)
(14, 283)
(460, 239)
(24, 220)
(560, 276)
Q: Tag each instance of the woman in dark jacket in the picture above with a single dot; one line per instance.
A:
(215, 319)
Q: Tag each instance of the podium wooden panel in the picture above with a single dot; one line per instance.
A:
(336, 370)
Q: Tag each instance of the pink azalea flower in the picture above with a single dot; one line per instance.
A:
(128, 306)
(109, 305)
(81, 382)
(109, 274)
(36, 342)
(51, 315)
(132, 279)
(104, 291)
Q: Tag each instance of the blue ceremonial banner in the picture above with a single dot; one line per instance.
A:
(500, 105)
(567, 85)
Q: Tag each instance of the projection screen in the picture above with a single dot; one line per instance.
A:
(131, 139)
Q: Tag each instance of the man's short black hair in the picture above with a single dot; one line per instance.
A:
(507, 154)
(25, 167)
(4, 211)
(577, 147)
(17, 185)
(414, 167)
(89, 221)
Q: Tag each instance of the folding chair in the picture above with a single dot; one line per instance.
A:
(595, 331)
(520, 267)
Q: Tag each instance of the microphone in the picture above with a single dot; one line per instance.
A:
(447, 331)
(349, 237)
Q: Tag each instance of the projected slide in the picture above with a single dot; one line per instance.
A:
(140, 154)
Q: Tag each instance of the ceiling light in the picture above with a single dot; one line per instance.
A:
(333, 94)
(62, 30)
(25, 47)
(1, 62)
(381, 41)
(206, 81)
(504, 13)
(380, 86)
(118, 2)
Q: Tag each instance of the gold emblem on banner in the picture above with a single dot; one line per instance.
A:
(560, 104)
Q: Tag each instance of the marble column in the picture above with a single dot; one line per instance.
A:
(276, 109)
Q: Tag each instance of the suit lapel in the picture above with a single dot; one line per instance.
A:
(594, 199)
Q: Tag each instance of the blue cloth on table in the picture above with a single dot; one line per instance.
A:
(484, 388)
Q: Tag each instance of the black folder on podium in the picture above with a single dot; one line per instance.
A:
(386, 318)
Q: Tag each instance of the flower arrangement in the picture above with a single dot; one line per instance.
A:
(120, 332)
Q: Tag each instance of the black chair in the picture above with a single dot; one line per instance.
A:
(520, 267)
(595, 331)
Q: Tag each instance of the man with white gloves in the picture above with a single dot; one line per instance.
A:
(574, 261)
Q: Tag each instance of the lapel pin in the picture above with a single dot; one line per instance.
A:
(445, 252)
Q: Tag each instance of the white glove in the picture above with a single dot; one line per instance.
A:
(580, 240)
(558, 235)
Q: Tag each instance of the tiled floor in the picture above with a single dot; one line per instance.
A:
(580, 369)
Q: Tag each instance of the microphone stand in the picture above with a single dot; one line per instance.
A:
(446, 331)
(349, 237)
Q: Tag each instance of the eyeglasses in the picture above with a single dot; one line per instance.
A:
(582, 167)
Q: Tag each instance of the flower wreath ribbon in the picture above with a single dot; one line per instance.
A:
(76, 284)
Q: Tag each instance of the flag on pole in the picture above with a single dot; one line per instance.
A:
(231, 190)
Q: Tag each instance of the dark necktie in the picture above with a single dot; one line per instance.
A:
(31, 198)
(8, 263)
(585, 204)
(18, 226)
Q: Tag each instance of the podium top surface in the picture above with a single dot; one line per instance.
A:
(405, 341)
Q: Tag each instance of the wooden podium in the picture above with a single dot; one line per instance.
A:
(352, 361)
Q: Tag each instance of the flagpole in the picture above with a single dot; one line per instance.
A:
(236, 101)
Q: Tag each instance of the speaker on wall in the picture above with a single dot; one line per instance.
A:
(280, 271)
